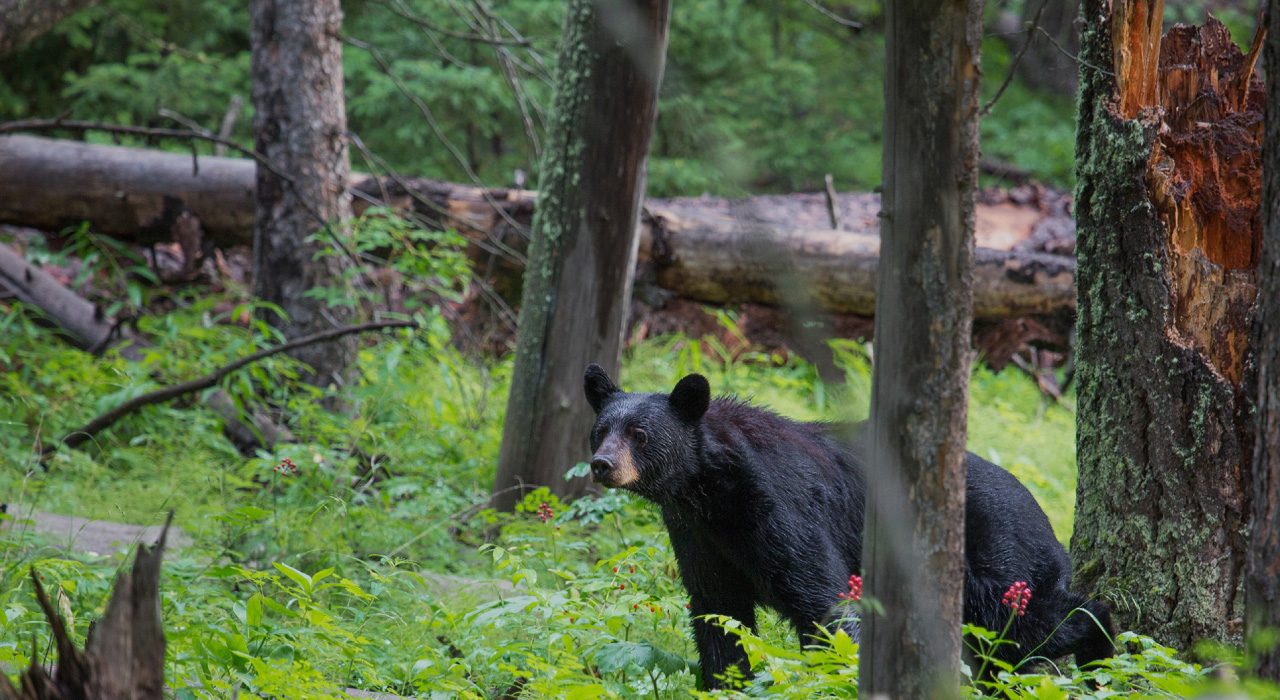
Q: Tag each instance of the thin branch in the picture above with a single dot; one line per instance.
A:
(228, 123)
(435, 126)
(1073, 57)
(402, 11)
(106, 420)
(833, 16)
(500, 248)
(1013, 67)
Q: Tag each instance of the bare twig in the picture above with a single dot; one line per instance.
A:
(1072, 56)
(435, 126)
(833, 205)
(106, 420)
(228, 123)
(401, 10)
(1013, 67)
(832, 15)
(498, 247)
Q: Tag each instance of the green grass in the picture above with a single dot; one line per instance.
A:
(373, 567)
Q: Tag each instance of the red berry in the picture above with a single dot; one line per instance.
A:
(615, 569)
(633, 569)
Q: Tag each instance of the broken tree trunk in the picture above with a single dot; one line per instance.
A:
(1168, 174)
(706, 249)
(124, 653)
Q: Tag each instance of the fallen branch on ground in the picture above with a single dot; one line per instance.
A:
(106, 420)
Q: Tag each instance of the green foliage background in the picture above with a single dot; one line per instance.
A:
(758, 96)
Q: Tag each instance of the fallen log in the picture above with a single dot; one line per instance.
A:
(89, 330)
(776, 249)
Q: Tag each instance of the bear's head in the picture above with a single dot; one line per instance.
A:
(644, 442)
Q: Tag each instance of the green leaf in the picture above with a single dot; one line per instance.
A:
(300, 578)
(619, 655)
(253, 611)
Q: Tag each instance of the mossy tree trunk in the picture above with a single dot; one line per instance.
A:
(1262, 581)
(300, 124)
(577, 286)
(913, 559)
(1167, 159)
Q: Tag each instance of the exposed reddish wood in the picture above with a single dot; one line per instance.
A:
(1135, 40)
(1205, 177)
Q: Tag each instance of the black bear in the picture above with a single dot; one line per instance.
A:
(762, 510)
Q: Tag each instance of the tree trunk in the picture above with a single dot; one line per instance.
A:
(913, 557)
(693, 246)
(1262, 579)
(577, 287)
(1167, 164)
(300, 125)
(24, 20)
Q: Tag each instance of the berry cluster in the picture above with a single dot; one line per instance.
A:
(545, 513)
(1017, 597)
(286, 466)
(855, 589)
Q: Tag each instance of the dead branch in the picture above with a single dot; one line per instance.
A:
(168, 393)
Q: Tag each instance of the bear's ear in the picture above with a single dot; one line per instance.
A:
(690, 398)
(598, 386)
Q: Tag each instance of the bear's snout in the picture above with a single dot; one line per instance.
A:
(613, 464)
(600, 468)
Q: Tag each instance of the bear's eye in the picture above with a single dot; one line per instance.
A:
(639, 436)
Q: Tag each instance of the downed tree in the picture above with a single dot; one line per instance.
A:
(769, 249)
(89, 330)
(123, 656)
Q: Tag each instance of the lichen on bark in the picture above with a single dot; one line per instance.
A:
(583, 249)
(1163, 429)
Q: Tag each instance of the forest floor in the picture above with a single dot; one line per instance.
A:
(376, 566)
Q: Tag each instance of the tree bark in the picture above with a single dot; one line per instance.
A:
(694, 247)
(24, 20)
(1167, 165)
(1262, 575)
(300, 125)
(577, 287)
(913, 557)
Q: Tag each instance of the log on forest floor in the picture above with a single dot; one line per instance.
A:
(85, 535)
(772, 249)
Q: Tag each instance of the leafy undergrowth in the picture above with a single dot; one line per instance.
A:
(376, 565)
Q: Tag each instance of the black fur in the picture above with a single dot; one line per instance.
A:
(762, 510)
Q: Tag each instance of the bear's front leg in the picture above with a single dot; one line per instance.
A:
(719, 650)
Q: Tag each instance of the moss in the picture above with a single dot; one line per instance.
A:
(1157, 438)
